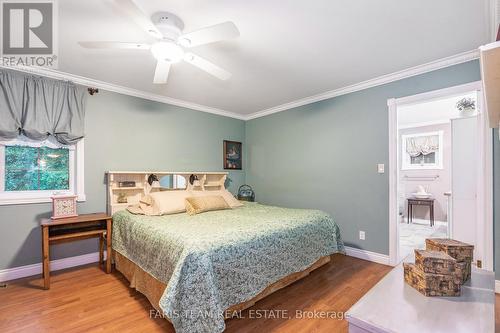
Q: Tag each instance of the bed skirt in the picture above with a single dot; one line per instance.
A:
(153, 289)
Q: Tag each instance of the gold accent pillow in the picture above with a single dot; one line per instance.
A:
(196, 205)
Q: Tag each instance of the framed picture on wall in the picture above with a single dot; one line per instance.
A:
(232, 155)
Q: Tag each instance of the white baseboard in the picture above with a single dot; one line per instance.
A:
(497, 286)
(55, 265)
(368, 255)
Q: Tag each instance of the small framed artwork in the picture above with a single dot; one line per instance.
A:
(232, 155)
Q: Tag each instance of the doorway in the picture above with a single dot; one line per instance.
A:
(440, 172)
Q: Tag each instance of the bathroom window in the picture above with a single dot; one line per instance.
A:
(422, 151)
(423, 159)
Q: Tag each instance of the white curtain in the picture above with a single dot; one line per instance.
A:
(422, 145)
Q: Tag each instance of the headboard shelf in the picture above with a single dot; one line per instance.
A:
(166, 172)
(175, 181)
(135, 188)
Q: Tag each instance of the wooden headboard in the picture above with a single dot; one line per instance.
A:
(139, 187)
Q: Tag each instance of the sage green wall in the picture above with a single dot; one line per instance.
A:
(324, 155)
(123, 133)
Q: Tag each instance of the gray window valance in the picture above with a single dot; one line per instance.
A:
(38, 107)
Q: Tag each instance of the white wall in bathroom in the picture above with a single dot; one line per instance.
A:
(438, 186)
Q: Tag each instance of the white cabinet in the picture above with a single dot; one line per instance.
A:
(490, 72)
(393, 306)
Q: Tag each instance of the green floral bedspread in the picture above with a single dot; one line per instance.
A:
(214, 260)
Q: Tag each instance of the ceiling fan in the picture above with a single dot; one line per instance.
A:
(171, 44)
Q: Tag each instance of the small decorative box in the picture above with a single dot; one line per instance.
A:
(463, 269)
(456, 249)
(63, 206)
(461, 252)
(430, 284)
(435, 262)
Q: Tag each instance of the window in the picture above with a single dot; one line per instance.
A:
(422, 151)
(32, 171)
(36, 168)
(423, 159)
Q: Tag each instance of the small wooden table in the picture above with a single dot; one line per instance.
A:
(421, 202)
(76, 228)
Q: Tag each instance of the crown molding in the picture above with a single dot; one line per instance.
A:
(85, 81)
(396, 76)
(406, 73)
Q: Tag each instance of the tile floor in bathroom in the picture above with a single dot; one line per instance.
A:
(412, 236)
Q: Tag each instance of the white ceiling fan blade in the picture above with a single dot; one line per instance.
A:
(161, 71)
(114, 45)
(207, 66)
(139, 17)
(214, 33)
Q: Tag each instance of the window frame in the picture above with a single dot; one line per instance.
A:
(406, 159)
(76, 175)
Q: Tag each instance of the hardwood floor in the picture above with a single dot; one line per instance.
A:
(85, 299)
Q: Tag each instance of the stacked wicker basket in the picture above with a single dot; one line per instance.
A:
(440, 269)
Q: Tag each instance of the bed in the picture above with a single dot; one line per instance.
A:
(197, 270)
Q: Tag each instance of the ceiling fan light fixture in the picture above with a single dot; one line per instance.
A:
(168, 30)
(185, 42)
(167, 51)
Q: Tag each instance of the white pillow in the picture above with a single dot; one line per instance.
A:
(230, 199)
(170, 202)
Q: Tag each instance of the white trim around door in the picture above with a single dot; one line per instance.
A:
(485, 181)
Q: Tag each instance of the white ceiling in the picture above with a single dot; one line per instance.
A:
(287, 50)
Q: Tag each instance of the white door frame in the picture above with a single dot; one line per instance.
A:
(485, 181)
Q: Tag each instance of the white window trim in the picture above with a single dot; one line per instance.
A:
(77, 184)
(406, 159)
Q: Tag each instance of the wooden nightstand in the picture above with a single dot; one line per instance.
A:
(76, 228)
